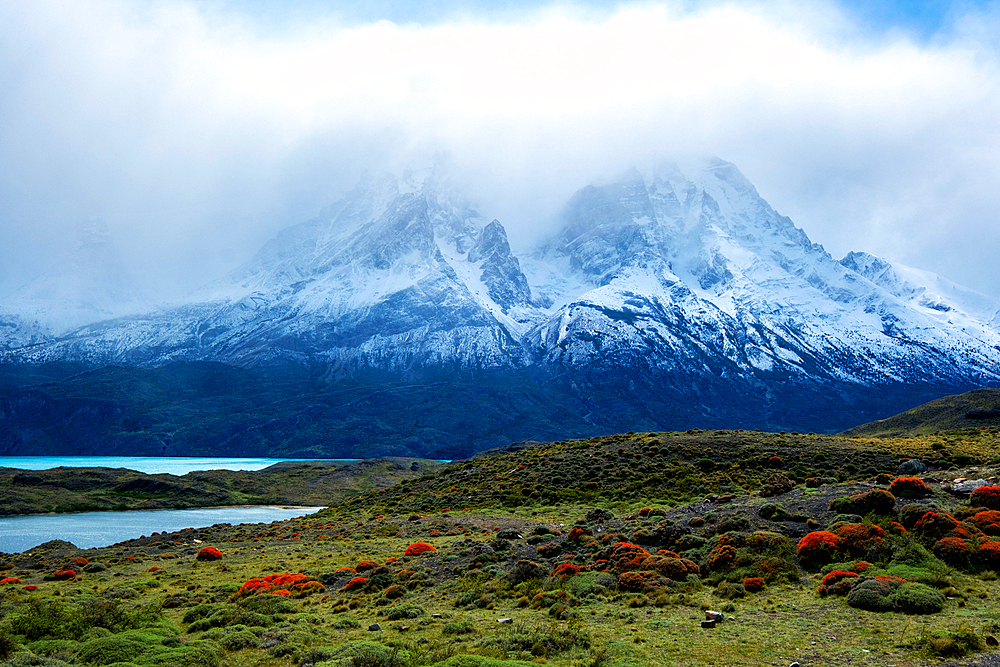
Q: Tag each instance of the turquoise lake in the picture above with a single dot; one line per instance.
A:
(99, 529)
(151, 465)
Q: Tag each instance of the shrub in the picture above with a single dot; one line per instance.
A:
(730, 591)
(933, 526)
(988, 521)
(576, 534)
(988, 555)
(817, 547)
(952, 550)
(566, 570)
(10, 580)
(912, 598)
(296, 582)
(875, 501)
(640, 582)
(776, 486)
(986, 496)
(402, 611)
(952, 644)
(236, 641)
(525, 570)
(458, 628)
(416, 548)
(670, 566)
(366, 565)
(856, 539)
(753, 584)
(355, 584)
(872, 595)
(208, 554)
(909, 487)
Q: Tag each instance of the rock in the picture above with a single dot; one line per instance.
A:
(505, 620)
(437, 615)
(714, 616)
(965, 487)
(374, 627)
(708, 624)
(911, 467)
(794, 664)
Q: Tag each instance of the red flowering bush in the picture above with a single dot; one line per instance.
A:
(63, 575)
(30, 587)
(416, 548)
(624, 556)
(640, 582)
(876, 501)
(987, 521)
(10, 580)
(856, 539)
(836, 575)
(818, 546)
(576, 533)
(909, 487)
(837, 582)
(366, 565)
(986, 496)
(722, 558)
(644, 511)
(294, 581)
(753, 584)
(670, 566)
(566, 570)
(933, 526)
(952, 550)
(860, 566)
(356, 583)
(79, 561)
(988, 554)
(208, 554)
(283, 592)
(341, 571)
(153, 569)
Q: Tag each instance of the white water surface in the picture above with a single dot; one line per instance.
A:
(100, 529)
(150, 465)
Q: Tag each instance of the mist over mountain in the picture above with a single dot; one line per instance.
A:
(667, 300)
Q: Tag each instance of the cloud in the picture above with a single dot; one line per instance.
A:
(196, 132)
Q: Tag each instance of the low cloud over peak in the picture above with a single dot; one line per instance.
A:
(196, 131)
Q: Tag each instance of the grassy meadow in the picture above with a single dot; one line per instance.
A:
(606, 551)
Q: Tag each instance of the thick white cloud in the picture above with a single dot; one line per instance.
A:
(196, 134)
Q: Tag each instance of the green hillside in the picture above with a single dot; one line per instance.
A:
(975, 409)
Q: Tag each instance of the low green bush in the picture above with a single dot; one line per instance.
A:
(403, 611)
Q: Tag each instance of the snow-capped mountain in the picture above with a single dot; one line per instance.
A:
(683, 279)
(89, 284)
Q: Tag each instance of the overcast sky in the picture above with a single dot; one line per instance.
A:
(197, 129)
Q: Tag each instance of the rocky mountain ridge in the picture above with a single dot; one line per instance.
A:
(675, 290)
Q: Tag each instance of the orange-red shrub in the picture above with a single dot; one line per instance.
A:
(672, 567)
(576, 533)
(860, 566)
(857, 538)
(566, 570)
(640, 581)
(818, 546)
(10, 580)
(989, 554)
(935, 525)
(341, 571)
(987, 521)
(63, 574)
(909, 487)
(272, 582)
(366, 565)
(208, 553)
(753, 584)
(952, 550)
(986, 496)
(79, 561)
(30, 587)
(417, 548)
(356, 583)
(722, 558)
(836, 575)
